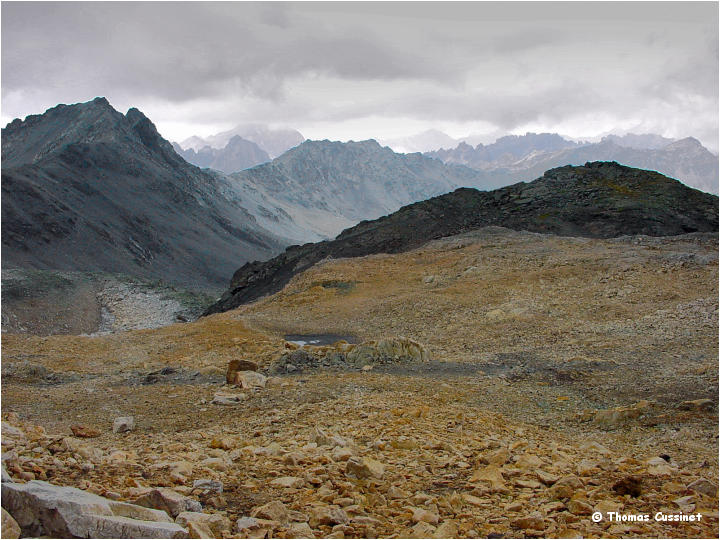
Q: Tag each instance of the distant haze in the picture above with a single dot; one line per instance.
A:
(374, 70)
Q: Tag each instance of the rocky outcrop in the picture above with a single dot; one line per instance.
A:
(598, 200)
(388, 350)
(43, 509)
(343, 355)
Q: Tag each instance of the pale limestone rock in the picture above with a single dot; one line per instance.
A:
(217, 523)
(11, 434)
(499, 457)
(528, 462)
(594, 446)
(421, 530)
(123, 424)
(327, 515)
(533, 521)
(472, 499)
(546, 478)
(42, 509)
(274, 511)
(215, 463)
(490, 474)
(198, 529)
(367, 468)
(579, 508)
(395, 492)
(565, 487)
(587, 467)
(5, 475)
(613, 418)
(324, 439)
(606, 506)
(134, 511)
(250, 379)
(10, 528)
(168, 500)
(244, 524)
(657, 466)
(228, 398)
(447, 529)
(389, 349)
(238, 365)
(288, 482)
(703, 485)
(208, 485)
(341, 453)
(300, 530)
(421, 514)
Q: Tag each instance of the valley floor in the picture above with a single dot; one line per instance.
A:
(560, 367)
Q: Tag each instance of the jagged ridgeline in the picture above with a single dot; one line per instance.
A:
(85, 187)
(597, 200)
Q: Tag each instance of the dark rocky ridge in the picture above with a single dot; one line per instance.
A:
(600, 200)
(87, 188)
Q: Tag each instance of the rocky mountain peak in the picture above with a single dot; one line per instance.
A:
(31, 140)
(688, 143)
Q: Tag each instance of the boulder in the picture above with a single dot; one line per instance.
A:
(532, 521)
(43, 509)
(332, 439)
(238, 365)
(367, 468)
(273, 511)
(217, 523)
(197, 529)
(613, 418)
(5, 475)
(11, 435)
(10, 528)
(84, 431)
(288, 482)
(227, 398)
(249, 379)
(208, 485)
(490, 474)
(327, 515)
(168, 500)
(703, 485)
(424, 515)
(395, 349)
(123, 424)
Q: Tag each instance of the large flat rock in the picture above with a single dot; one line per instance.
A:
(43, 509)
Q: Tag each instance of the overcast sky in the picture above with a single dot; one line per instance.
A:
(361, 70)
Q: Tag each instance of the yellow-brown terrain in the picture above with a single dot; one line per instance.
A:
(561, 371)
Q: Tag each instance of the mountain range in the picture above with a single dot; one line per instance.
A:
(273, 141)
(598, 200)
(522, 158)
(85, 187)
(236, 155)
(324, 187)
(88, 188)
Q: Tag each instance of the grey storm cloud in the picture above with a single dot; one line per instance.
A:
(507, 64)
